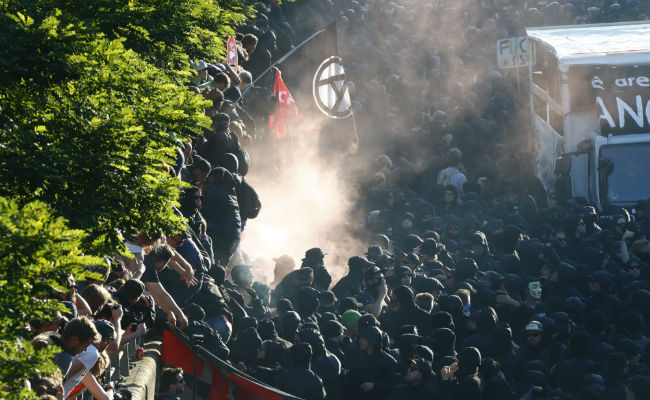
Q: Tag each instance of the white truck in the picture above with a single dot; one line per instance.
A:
(590, 104)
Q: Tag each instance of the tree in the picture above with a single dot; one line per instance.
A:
(90, 135)
(37, 252)
(94, 148)
(93, 109)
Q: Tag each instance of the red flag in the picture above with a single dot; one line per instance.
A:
(286, 110)
(217, 380)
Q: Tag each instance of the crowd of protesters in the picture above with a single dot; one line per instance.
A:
(475, 284)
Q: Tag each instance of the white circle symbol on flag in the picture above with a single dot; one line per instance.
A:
(331, 89)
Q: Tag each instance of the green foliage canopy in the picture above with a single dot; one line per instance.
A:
(92, 105)
(37, 252)
(92, 108)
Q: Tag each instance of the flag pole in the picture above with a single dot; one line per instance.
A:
(284, 57)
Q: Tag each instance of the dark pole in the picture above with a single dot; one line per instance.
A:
(196, 340)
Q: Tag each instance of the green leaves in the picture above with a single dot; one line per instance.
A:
(92, 109)
(36, 253)
(19, 362)
(87, 144)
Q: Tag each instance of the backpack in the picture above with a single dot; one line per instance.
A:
(249, 201)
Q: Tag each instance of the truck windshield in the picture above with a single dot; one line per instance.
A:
(624, 173)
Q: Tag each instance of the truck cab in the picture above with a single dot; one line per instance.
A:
(590, 106)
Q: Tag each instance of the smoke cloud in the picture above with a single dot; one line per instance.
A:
(305, 204)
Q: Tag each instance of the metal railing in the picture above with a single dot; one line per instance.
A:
(121, 365)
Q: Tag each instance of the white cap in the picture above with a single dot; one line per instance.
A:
(534, 326)
(198, 65)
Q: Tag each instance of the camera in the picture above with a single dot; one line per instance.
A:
(106, 312)
(122, 394)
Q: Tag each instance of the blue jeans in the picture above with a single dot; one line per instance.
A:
(219, 324)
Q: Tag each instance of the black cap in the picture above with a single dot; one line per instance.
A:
(327, 297)
(429, 247)
(413, 241)
(332, 329)
(402, 270)
(360, 264)
(373, 272)
(105, 329)
(587, 210)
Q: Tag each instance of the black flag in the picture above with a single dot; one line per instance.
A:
(313, 72)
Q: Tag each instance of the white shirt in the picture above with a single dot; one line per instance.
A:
(88, 358)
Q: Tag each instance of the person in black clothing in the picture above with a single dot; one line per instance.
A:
(246, 350)
(259, 58)
(266, 330)
(222, 214)
(307, 304)
(350, 284)
(325, 364)
(211, 339)
(463, 381)
(191, 204)
(570, 375)
(417, 386)
(314, 260)
(373, 375)
(404, 311)
(219, 141)
(333, 335)
(535, 347)
(299, 380)
(482, 321)
(290, 285)
(136, 307)
(247, 198)
(496, 384)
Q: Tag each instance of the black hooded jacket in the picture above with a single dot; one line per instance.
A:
(377, 368)
(408, 314)
(467, 383)
(325, 364)
(443, 344)
(299, 379)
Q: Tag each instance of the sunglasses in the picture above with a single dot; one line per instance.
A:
(413, 368)
(532, 334)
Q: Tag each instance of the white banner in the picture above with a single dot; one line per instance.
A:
(513, 52)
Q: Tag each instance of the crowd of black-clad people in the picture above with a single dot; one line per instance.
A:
(476, 283)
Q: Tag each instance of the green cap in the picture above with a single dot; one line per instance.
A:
(349, 318)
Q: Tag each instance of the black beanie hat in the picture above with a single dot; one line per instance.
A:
(132, 289)
(373, 335)
(404, 294)
(367, 320)
(469, 360)
(332, 329)
(466, 268)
